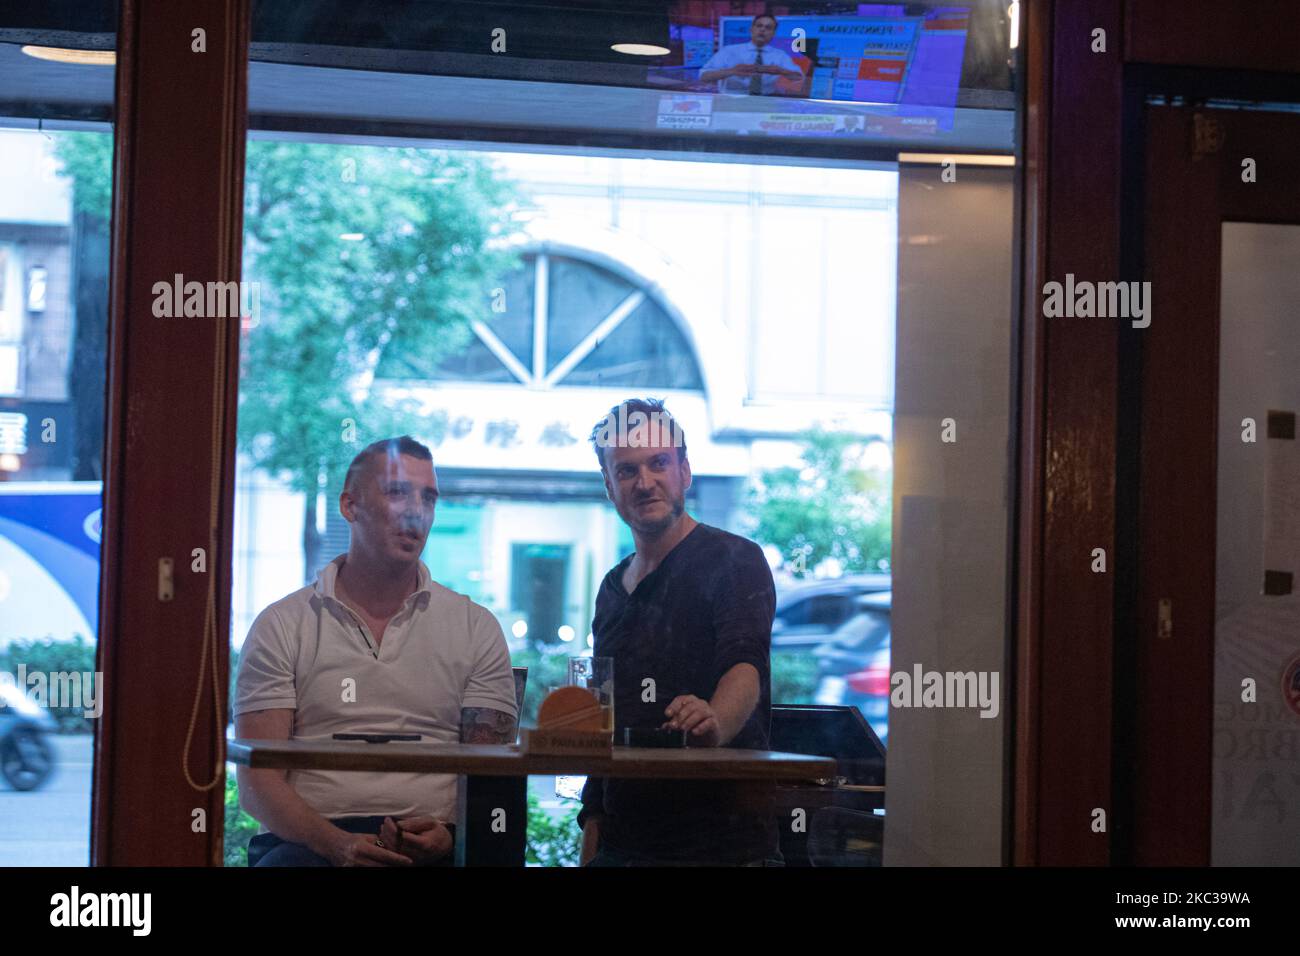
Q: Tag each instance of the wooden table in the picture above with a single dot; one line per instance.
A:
(491, 812)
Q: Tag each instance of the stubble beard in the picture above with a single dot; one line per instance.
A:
(653, 529)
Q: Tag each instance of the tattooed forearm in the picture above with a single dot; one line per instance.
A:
(483, 725)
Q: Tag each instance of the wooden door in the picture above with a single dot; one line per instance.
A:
(1208, 173)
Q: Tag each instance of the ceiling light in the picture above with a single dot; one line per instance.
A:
(640, 49)
(65, 55)
(961, 159)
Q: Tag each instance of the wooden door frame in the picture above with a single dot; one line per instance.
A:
(1069, 377)
(1194, 184)
(1076, 632)
(178, 166)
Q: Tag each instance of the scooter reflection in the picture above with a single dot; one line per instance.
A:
(26, 757)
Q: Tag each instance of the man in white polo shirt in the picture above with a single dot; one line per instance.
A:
(375, 646)
(752, 67)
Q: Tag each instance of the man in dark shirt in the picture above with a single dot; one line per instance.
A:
(687, 619)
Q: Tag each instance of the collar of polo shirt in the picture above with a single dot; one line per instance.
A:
(325, 579)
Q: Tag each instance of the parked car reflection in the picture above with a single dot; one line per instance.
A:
(853, 665)
(809, 614)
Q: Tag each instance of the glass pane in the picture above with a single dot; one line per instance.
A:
(580, 298)
(941, 79)
(813, 306)
(510, 315)
(55, 201)
(1257, 567)
(475, 363)
(646, 350)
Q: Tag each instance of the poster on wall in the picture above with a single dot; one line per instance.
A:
(49, 560)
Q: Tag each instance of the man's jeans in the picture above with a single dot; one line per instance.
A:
(267, 849)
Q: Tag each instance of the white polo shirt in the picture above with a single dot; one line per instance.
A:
(310, 653)
(739, 53)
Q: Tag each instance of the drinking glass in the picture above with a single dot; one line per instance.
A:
(596, 674)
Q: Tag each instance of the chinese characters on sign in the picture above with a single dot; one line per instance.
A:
(505, 432)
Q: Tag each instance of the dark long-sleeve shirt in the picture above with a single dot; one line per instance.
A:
(706, 608)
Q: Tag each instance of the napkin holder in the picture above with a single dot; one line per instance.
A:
(570, 722)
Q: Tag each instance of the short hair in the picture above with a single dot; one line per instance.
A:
(765, 16)
(615, 424)
(390, 447)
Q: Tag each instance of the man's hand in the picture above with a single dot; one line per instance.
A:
(359, 849)
(715, 722)
(423, 839)
(745, 69)
(696, 717)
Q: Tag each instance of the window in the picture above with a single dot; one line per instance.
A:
(12, 308)
(509, 258)
(827, 611)
(55, 191)
(597, 328)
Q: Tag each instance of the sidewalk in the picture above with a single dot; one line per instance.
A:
(50, 826)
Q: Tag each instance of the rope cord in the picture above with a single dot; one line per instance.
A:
(209, 648)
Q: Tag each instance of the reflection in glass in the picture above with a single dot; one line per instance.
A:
(55, 196)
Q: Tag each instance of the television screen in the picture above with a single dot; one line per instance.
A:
(883, 71)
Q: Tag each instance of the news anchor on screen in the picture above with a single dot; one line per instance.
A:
(754, 67)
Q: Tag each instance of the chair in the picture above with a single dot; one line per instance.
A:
(838, 836)
(521, 682)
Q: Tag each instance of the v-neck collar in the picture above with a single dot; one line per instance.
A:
(620, 569)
